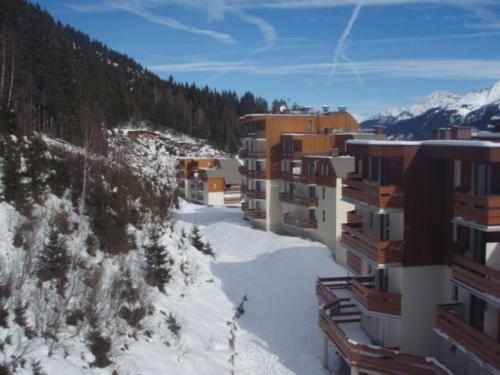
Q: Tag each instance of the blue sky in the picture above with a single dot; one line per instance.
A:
(367, 55)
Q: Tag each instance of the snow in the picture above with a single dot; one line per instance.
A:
(434, 142)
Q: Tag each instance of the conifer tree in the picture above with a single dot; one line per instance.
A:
(158, 273)
(207, 250)
(53, 262)
(14, 190)
(196, 238)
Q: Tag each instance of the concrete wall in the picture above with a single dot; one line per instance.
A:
(216, 199)
(273, 204)
(421, 292)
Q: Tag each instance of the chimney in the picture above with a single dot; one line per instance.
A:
(342, 109)
(326, 109)
(461, 132)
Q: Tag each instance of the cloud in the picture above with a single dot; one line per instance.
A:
(342, 41)
(267, 30)
(462, 69)
(427, 38)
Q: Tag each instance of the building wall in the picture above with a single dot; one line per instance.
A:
(420, 295)
(215, 198)
(273, 205)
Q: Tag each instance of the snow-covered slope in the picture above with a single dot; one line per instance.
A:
(439, 109)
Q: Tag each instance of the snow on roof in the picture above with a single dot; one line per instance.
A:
(433, 142)
(375, 142)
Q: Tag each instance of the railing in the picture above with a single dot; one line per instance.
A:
(381, 252)
(310, 180)
(353, 262)
(256, 174)
(374, 300)
(296, 155)
(254, 134)
(473, 340)
(181, 184)
(300, 223)
(254, 214)
(353, 218)
(242, 169)
(252, 154)
(335, 312)
(374, 195)
(478, 276)
(295, 199)
(255, 194)
(483, 210)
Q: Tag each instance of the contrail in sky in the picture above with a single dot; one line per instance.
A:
(343, 38)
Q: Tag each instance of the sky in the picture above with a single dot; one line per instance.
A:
(368, 55)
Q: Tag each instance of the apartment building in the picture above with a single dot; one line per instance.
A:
(262, 155)
(209, 181)
(422, 246)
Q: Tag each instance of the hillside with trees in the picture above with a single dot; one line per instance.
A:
(57, 80)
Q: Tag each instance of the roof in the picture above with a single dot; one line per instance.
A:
(433, 142)
(228, 170)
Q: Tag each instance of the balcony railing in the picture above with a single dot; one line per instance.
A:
(301, 201)
(246, 154)
(482, 210)
(256, 174)
(300, 223)
(478, 276)
(292, 177)
(375, 195)
(353, 263)
(382, 252)
(336, 313)
(374, 300)
(449, 322)
(296, 155)
(181, 184)
(254, 134)
(353, 218)
(254, 214)
(242, 169)
(255, 194)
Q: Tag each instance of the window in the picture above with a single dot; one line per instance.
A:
(310, 125)
(323, 193)
(454, 293)
(370, 219)
(323, 215)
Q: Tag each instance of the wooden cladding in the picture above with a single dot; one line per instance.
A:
(478, 276)
(375, 195)
(299, 223)
(336, 312)
(301, 201)
(473, 340)
(482, 210)
(255, 194)
(310, 180)
(353, 263)
(382, 252)
(353, 218)
(254, 214)
(374, 300)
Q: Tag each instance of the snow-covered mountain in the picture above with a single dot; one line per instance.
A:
(440, 109)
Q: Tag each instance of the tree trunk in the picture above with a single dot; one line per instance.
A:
(4, 60)
(12, 69)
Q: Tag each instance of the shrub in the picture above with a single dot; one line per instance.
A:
(100, 347)
(173, 325)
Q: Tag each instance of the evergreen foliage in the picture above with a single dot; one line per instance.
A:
(61, 77)
(196, 240)
(53, 261)
(158, 271)
(14, 190)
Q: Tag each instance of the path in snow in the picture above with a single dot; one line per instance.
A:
(279, 332)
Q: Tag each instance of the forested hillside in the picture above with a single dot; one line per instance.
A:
(57, 80)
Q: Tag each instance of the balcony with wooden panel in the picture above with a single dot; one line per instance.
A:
(255, 174)
(353, 263)
(298, 178)
(481, 210)
(450, 322)
(309, 202)
(477, 276)
(254, 214)
(373, 300)
(255, 194)
(300, 222)
(255, 134)
(252, 154)
(381, 252)
(338, 316)
(359, 190)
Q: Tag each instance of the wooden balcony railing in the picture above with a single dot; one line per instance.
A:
(478, 276)
(335, 312)
(181, 184)
(375, 195)
(477, 342)
(292, 177)
(242, 169)
(374, 300)
(353, 263)
(254, 134)
(300, 223)
(256, 174)
(247, 154)
(482, 210)
(301, 201)
(254, 214)
(382, 252)
(255, 194)
(296, 155)
(353, 218)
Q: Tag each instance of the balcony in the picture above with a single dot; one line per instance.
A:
(298, 178)
(242, 169)
(248, 154)
(480, 277)
(261, 175)
(300, 223)
(373, 300)
(301, 201)
(181, 184)
(374, 195)
(450, 323)
(482, 210)
(338, 317)
(296, 155)
(353, 263)
(255, 214)
(353, 218)
(255, 194)
(381, 252)
(254, 134)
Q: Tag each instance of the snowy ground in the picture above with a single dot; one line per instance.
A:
(279, 333)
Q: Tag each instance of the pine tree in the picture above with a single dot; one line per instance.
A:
(158, 273)
(36, 165)
(53, 261)
(207, 250)
(14, 190)
(196, 238)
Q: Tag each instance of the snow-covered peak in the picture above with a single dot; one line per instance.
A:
(444, 100)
